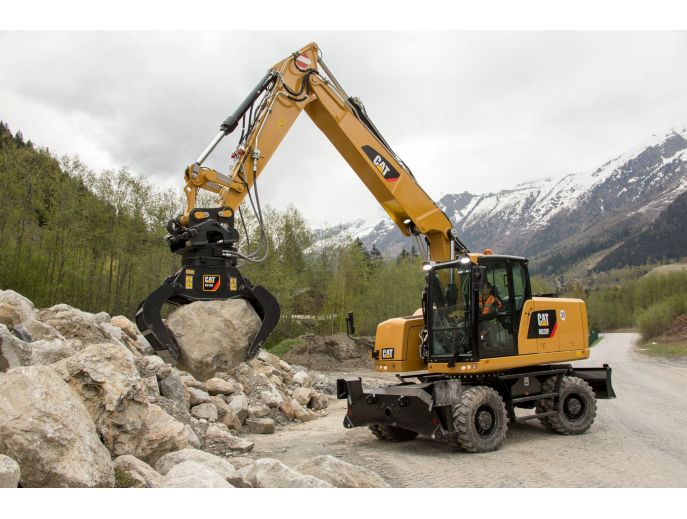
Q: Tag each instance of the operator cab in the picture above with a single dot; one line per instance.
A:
(472, 310)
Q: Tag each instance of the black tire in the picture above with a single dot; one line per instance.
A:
(577, 408)
(390, 433)
(480, 420)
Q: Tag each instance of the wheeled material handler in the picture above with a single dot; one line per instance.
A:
(481, 346)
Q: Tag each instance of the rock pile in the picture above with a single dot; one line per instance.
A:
(327, 353)
(85, 402)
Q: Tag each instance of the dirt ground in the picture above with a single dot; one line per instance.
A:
(638, 439)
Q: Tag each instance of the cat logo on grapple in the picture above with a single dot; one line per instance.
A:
(211, 282)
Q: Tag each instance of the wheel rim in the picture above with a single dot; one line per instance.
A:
(574, 407)
(485, 421)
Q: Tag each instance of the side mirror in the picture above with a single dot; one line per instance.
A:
(350, 324)
(479, 276)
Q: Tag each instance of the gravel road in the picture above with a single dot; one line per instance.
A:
(638, 439)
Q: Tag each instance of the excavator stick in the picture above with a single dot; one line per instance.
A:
(209, 272)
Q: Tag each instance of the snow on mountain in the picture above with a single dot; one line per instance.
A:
(643, 182)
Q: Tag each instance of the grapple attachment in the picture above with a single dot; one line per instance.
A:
(208, 273)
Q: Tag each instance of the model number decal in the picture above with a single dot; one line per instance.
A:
(542, 324)
(387, 353)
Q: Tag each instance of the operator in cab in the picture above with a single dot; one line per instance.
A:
(488, 302)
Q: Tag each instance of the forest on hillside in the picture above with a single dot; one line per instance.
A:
(96, 242)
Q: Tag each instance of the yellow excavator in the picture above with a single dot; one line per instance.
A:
(482, 344)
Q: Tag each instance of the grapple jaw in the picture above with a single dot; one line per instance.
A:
(208, 273)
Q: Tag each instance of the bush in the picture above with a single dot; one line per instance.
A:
(657, 319)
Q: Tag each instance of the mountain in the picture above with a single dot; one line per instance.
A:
(576, 218)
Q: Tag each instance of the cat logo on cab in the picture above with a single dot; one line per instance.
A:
(388, 353)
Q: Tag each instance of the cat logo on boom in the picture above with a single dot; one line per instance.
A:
(382, 165)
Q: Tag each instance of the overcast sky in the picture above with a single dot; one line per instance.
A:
(475, 111)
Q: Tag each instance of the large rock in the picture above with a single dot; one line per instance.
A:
(219, 441)
(45, 427)
(218, 386)
(161, 434)
(20, 305)
(340, 474)
(318, 401)
(213, 335)
(106, 379)
(302, 395)
(76, 324)
(219, 465)
(260, 425)
(16, 352)
(9, 472)
(38, 330)
(239, 406)
(271, 473)
(136, 473)
(172, 387)
(190, 474)
(205, 412)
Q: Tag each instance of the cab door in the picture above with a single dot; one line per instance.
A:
(497, 306)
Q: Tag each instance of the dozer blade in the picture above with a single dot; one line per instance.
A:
(267, 308)
(149, 320)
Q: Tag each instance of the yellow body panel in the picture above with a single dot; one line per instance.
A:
(399, 336)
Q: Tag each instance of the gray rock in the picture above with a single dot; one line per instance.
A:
(107, 381)
(74, 324)
(340, 474)
(138, 471)
(302, 395)
(45, 428)
(21, 305)
(271, 396)
(217, 386)
(161, 434)
(213, 335)
(9, 472)
(151, 386)
(198, 396)
(153, 365)
(173, 388)
(219, 441)
(271, 473)
(205, 412)
(318, 401)
(190, 474)
(260, 425)
(219, 465)
(302, 379)
(239, 406)
(16, 353)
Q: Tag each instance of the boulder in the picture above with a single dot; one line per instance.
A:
(8, 315)
(302, 379)
(239, 406)
(198, 396)
(302, 395)
(125, 325)
(136, 473)
(271, 396)
(318, 401)
(38, 330)
(153, 365)
(108, 383)
(16, 352)
(340, 474)
(258, 411)
(217, 386)
(190, 474)
(75, 324)
(260, 425)
(219, 465)
(45, 427)
(225, 414)
(9, 472)
(219, 441)
(161, 434)
(173, 388)
(17, 304)
(205, 412)
(271, 473)
(301, 413)
(213, 335)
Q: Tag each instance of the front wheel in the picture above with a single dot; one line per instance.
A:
(480, 420)
(576, 409)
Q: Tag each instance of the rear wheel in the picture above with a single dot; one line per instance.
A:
(480, 420)
(577, 406)
(391, 433)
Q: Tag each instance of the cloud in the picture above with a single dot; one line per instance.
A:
(477, 111)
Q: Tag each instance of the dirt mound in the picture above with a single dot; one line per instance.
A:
(328, 353)
(678, 328)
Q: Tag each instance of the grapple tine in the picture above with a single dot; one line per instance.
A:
(149, 320)
(267, 308)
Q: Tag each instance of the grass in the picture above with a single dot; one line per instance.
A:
(666, 347)
(284, 346)
(123, 479)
